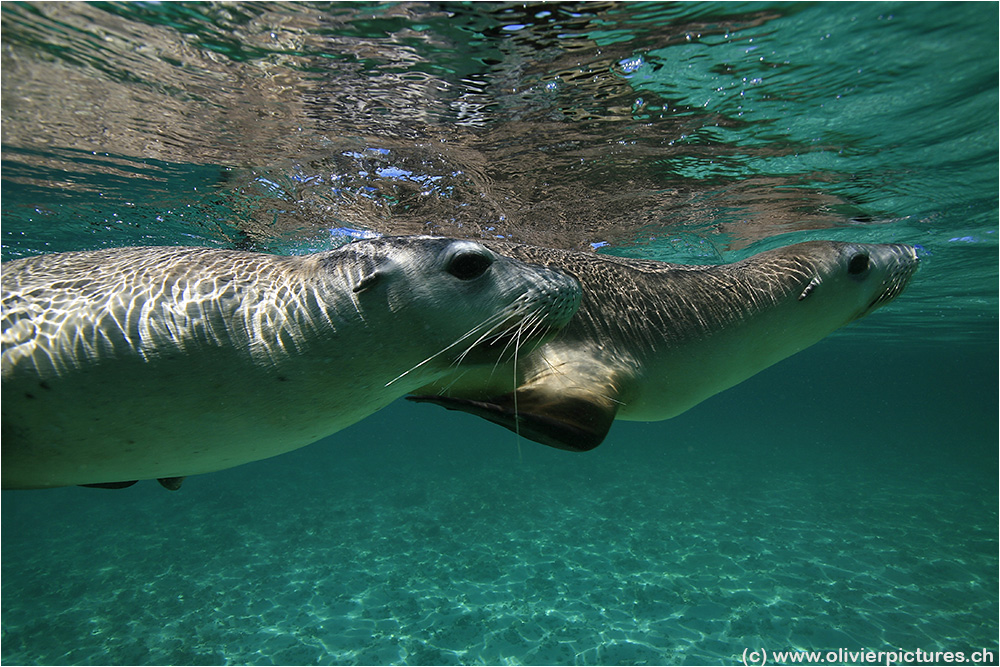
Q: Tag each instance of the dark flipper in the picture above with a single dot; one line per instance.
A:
(171, 483)
(112, 485)
(568, 422)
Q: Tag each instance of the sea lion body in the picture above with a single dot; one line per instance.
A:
(139, 363)
(652, 339)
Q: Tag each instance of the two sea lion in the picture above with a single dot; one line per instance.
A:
(141, 363)
(651, 339)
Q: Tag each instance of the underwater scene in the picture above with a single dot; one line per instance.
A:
(839, 507)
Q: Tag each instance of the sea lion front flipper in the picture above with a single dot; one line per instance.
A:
(571, 423)
(111, 485)
(170, 483)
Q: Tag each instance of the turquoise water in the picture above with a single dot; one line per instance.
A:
(846, 498)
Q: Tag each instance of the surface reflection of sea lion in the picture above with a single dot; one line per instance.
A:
(652, 339)
(140, 363)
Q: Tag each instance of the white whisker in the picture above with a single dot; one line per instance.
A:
(489, 322)
(517, 414)
(515, 340)
(533, 327)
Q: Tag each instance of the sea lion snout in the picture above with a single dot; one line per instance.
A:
(899, 263)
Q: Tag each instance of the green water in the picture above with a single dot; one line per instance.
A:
(846, 498)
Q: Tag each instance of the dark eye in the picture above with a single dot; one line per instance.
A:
(469, 265)
(858, 264)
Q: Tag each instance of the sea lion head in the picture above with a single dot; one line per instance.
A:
(481, 303)
(835, 282)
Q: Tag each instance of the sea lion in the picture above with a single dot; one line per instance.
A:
(651, 339)
(158, 362)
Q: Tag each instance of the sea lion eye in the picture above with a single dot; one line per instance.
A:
(858, 264)
(468, 265)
